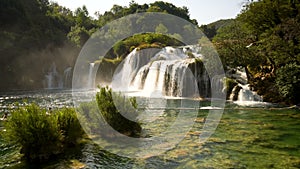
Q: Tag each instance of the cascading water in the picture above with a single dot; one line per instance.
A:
(241, 93)
(129, 68)
(245, 94)
(167, 73)
(55, 80)
(90, 82)
(67, 77)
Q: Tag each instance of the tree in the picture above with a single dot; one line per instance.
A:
(288, 82)
(81, 15)
(78, 35)
(234, 44)
(274, 26)
(265, 38)
(120, 48)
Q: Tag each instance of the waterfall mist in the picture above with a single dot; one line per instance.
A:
(28, 71)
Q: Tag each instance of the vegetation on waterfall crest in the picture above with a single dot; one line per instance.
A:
(42, 133)
(141, 41)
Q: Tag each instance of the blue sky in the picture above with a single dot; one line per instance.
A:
(204, 11)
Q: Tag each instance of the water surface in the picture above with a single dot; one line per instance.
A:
(247, 137)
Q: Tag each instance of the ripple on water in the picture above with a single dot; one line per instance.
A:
(245, 138)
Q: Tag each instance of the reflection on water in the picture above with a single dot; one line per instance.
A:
(45, 98)
(247, 137)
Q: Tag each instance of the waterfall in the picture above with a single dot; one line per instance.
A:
(67, 77)
(124, 75)
(90, 82)
(241, 92)
(161, 78)
(169, 72)
(245, 94)
(217, 83)
(55, 80)
(49, 80)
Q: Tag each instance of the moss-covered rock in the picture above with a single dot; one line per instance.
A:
(229, 84)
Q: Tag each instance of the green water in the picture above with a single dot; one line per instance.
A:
(245, 138)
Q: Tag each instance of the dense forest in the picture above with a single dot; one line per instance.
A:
(263, 39)
(36, 33)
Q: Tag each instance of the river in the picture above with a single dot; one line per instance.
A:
(258, 136)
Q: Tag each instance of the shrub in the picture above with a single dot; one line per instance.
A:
(40, 134)
(90, 116)
(288, 82)
(106, 103)
(69, 125)
(119, 48)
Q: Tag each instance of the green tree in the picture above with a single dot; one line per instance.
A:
(288, 82)
(274, 25)
(81, 15)
(264, 38)
(120, 48)
(235, 46)
(78, 35)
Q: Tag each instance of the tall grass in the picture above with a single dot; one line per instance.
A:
(107, 102)
(43, 134)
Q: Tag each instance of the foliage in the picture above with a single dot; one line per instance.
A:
(120, 48)
(89, 116)
(231, 42)
(42, 134)
(264, 38)
(158, 6)
(141, 41)
(78, 35)
(211, 29)
(69, 126)
(118, 111)
(288, 81)
(274, 25)
(182, 12)
(40, 32)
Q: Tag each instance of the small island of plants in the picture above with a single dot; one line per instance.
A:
(43, 134)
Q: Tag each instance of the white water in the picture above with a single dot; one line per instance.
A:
(53, 78)
(240, 75)
(56, 80)
(67, 77)
(174, 72)
(246, 94)
(242, 92)
(91, 81)
(247, 97)
(166, 73)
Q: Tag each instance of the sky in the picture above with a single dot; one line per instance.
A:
(204, 11)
